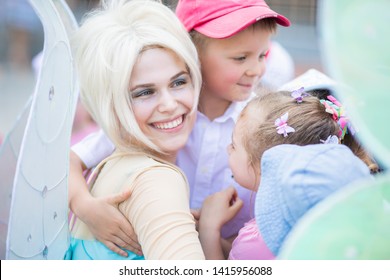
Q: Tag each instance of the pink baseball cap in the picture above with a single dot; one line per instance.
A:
(224, 18)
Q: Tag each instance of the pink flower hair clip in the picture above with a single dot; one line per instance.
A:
(336, 109)
(282, 126)
(299, 94)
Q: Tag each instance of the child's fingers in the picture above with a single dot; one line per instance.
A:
(113, 247)
(237, 205)
(119, 198)
(195, 213)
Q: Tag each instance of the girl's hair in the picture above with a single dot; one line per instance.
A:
(349, 140)
(201, 40)
(311, 122)
(107, 47)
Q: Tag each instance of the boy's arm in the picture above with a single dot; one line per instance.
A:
(217, 210)
(101, 215)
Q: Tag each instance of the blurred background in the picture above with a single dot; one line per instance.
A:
(21, 39)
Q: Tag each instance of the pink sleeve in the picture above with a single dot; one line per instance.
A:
(249, 244)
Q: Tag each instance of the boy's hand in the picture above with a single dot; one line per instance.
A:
(196, 214)
(109, 225)
(101, 215)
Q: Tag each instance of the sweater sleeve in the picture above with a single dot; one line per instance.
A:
(159, 211)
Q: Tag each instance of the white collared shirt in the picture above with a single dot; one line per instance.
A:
(204, 160)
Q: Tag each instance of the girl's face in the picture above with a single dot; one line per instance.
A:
(245, 173)
(162, 98)
(232, 66)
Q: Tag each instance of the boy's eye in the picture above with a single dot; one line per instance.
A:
(262, 56)
(240, 58)
(142, 93)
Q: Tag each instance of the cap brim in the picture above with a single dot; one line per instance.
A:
(236, 21)
(312, 79)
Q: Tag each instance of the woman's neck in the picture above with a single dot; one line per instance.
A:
(212, 107)
(171, 158)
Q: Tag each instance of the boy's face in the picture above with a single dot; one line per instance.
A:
(232, 66)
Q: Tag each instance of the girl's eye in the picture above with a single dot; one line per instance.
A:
(142, 93)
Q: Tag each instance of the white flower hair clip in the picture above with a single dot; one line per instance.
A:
(282, 126)
(332, 139)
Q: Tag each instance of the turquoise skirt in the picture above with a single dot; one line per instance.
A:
(95, 250)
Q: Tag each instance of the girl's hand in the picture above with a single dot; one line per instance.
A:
(219, 208)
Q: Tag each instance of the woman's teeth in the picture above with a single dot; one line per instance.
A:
(169, 125)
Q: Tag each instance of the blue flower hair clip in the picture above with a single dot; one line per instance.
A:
(299, 94)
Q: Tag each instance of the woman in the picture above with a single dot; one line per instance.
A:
(140, 80)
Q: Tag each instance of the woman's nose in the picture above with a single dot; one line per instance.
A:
(167, 101)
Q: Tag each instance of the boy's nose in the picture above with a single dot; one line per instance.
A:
(257, 69)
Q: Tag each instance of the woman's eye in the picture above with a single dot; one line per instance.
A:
(179, 82)
(142, 93)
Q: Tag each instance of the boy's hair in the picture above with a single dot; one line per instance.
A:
(107, 47)
(224, 18)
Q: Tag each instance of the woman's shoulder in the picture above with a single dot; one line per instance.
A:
(144, 161)
(141, 165)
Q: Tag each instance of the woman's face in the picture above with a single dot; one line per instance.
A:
(162, 98)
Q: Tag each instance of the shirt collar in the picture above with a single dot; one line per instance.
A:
(234, 110)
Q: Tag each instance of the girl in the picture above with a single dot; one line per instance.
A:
(266, 122)
(140, 80)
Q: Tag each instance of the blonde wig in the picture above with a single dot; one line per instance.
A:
(107, 47)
